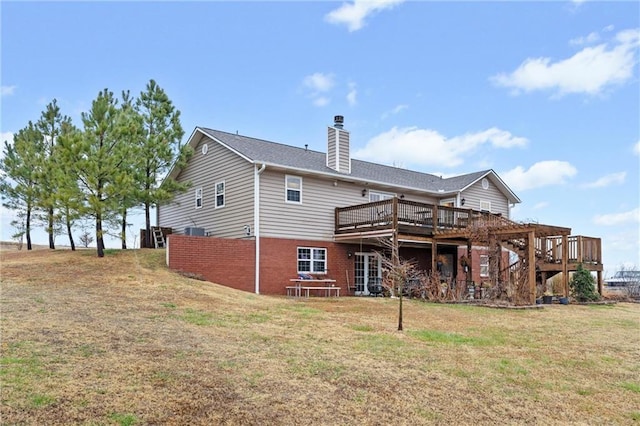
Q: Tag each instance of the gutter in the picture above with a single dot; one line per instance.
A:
(256, 220)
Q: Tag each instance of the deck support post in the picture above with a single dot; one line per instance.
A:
(434, 255)
(531, 262)
(599, 274)
(599, 261)
(565, 265)
(469, 263)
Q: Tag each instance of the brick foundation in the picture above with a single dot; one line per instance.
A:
(231, 262)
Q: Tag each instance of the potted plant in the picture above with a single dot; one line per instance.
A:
(547, 298)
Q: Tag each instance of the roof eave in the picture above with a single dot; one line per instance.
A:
(353, 179)
(504, 187)
(193, 141)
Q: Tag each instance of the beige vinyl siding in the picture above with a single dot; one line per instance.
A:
(338, 157)
(332, 158)
(204, 171)
(314, 218)
(476, 193)
(344, 165)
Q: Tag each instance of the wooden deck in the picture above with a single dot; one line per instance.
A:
(553, 250)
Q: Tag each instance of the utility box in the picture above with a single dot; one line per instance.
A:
(194, 232)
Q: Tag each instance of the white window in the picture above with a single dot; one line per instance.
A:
(485, 206)
(293, 189)
(198, 198)
(312, 260)
(220, 194)
(379, 196)
(484, 265)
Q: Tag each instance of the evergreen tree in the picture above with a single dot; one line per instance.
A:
(69, 197)
(582, 285)
(50, 125)
(160, 149)
(19, 180)
(99, 155)
(129, 131)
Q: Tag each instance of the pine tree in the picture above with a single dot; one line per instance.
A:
(69, 197)
(19, 180)
(50, 125)
(160, 149)
(129, 131)
(99, 154)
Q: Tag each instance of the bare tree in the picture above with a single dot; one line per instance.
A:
(397, 272)
(86, 238)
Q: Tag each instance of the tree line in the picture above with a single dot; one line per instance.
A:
(57, 174)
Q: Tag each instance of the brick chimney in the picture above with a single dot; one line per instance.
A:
(338, 155)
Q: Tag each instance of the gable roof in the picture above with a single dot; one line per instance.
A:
(258, 151)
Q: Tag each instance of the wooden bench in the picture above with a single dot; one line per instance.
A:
(307, 286)
(298, 291)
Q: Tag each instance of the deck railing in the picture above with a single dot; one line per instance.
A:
(391, 213)
(585, 249)
(580, 249)
(384, 214)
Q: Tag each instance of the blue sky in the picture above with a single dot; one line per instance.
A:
(545, 93)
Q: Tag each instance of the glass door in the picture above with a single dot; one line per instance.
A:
(367, 265)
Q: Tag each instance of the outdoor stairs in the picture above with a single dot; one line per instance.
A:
(519, 246)
(158, 238)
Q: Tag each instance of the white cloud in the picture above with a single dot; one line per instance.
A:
(543, 173)
(7, 90)
(632, 216)
(396, 110)
(589, 39)
(624, 246)
(417, 146)
(636, 148)
(318, 84)
(541, 205)
(589, 71)
(607, 180)
(354, 14)
(321, 101)
(352, 95)
(5, 136)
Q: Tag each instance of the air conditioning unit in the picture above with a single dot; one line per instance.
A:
(194, 232)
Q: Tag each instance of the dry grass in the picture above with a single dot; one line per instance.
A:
(122, 340)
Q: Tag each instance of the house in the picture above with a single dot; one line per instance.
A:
(259, 213)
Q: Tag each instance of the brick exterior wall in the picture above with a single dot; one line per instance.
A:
(475, 263)
(278, 262)
(230, 262)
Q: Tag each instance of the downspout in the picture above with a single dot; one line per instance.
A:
(256, 220)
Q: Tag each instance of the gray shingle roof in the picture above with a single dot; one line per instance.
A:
(287, 156)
